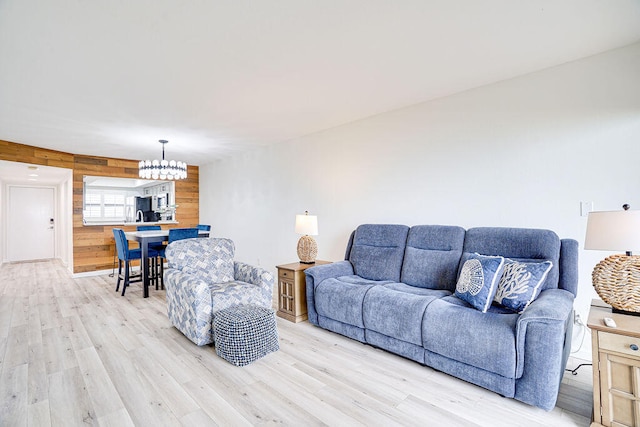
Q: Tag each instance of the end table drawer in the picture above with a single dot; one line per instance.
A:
(286, 274)
(619, 343)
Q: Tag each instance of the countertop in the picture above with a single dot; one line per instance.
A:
(89, 224)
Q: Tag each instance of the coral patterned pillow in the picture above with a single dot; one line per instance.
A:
(521, 283)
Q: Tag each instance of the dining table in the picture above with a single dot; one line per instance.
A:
(144, 238)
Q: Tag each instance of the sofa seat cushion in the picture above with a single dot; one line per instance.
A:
(453, 329)
(396, 310)
(354, 279)
(403, 287)
(341, 298)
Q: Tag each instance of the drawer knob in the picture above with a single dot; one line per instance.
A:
(633, 347)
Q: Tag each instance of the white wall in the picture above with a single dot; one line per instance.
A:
(64, 226)
(523, 153)
(3, 221)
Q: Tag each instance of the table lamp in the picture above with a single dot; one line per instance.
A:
(616, 278)
(307, 225)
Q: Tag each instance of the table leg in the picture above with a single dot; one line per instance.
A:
(144, 264)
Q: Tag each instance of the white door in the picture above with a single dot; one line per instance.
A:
(30, 223)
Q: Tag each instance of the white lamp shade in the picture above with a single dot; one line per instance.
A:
(613, 231)
(307, 225)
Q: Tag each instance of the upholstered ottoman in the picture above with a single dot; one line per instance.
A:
(245, 333)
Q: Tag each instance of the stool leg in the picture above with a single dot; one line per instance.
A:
(155, 271)
(126, 277)
(150, 271)
(119, 274)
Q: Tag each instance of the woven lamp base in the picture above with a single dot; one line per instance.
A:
(307, 250)
(616, 279)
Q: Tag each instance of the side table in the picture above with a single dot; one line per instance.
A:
(616, 367)
(292, 291)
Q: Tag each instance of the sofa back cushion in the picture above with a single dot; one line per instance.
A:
(432, 256)
(377, 251)
(520, 244)
(209, 259)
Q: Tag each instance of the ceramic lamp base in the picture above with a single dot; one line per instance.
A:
(307, 250)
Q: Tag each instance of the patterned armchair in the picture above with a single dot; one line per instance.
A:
(202, 278)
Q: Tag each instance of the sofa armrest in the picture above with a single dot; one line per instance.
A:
(319, 273)
(540, 340)
(255, 275)
(551, 304)
(315, 275)
(568, 279)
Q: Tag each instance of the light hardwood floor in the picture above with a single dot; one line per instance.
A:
(74, 352)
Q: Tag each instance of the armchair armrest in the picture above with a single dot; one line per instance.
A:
(186, 293)
(315, 275)
(179, 281)
(254, 275)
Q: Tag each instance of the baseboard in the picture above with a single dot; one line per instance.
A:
(91, 273)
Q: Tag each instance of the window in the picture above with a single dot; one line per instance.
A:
(92, 206)
(104, 205)
(113, 205)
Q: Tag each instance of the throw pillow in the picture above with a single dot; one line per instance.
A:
(478, 280)
(521, 283)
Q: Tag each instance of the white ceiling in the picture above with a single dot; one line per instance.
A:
(112, 77)
(26, 174)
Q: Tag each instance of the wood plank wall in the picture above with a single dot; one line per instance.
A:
(38, 156)
(93, 246)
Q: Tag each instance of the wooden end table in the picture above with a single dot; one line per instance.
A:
(292, 291)
(616, 367)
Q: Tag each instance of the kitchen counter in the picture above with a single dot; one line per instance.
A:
(124, 224)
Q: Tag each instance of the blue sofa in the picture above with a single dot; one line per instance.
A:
(396, 290)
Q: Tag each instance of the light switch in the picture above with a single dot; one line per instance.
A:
(585, 208)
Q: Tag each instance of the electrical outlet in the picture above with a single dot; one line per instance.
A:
(577, 320)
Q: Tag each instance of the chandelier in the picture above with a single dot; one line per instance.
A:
(162, 169)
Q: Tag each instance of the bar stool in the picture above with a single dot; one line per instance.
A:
(125, 256)
(156, 266)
